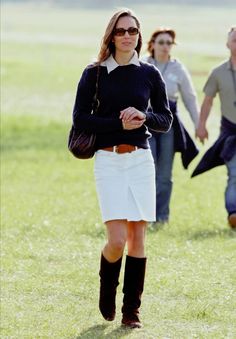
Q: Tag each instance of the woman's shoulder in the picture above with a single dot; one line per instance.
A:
(178, 65)
(149, 67)
(180, 70)
(90, 71)
(88, 75)
(151, 72)
(92, 67)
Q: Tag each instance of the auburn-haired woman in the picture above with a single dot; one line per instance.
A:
(124, 168)
(164, 146)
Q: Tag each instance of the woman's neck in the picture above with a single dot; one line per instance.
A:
(123, 58)
(161, 58)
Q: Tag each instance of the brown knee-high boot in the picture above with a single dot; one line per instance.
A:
(109, 275)
(133, 288)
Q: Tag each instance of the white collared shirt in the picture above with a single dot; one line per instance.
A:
(111, 63)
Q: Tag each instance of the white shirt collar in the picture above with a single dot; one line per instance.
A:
(111, 63)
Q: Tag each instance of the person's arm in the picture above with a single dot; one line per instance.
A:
(210, 89)
(201, 131)
(161, 118)
(189, 96)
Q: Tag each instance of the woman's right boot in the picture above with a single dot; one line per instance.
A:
(109, 275)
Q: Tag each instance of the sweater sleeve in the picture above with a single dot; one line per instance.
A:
(189, 96)
(160, 118)
(82, 117)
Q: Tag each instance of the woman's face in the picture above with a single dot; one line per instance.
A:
(162, 44)
(126, 41)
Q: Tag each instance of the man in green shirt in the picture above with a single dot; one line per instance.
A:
(222, 80)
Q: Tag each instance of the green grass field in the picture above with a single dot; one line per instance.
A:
(52, 232)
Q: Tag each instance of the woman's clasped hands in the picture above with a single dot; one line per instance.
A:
(132, 118)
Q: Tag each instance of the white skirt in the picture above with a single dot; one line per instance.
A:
(126, 185)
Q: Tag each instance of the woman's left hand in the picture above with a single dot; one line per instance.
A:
(131, 113)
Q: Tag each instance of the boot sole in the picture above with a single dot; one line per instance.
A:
(132, 325)
(108, 318)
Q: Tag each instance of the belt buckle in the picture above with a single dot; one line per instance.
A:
(115, 149)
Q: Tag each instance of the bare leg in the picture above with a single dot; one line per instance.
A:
(136, 238)
(116, 239)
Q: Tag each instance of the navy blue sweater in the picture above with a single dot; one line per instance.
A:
(126, 86)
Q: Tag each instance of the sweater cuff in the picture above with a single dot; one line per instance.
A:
(148, 116)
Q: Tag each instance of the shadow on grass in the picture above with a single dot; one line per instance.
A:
(208, 234)
(97, 332)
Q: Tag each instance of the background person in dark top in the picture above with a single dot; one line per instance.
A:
(124, 168)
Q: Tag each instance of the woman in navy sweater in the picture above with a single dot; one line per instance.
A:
(124, 167)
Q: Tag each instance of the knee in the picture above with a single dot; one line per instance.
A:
(118, 244)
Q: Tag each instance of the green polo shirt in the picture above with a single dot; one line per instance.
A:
(221, 81)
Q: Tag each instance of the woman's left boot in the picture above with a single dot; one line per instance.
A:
(133, 289)
(109, 275)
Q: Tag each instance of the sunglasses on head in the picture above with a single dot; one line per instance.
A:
(165, 42)
(122, 31)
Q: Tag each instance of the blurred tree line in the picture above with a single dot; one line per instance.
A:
(126, 3)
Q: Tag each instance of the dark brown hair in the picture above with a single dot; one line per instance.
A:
(161, 30)
(107, 46)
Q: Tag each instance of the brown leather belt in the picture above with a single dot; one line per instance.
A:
(123, 148)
